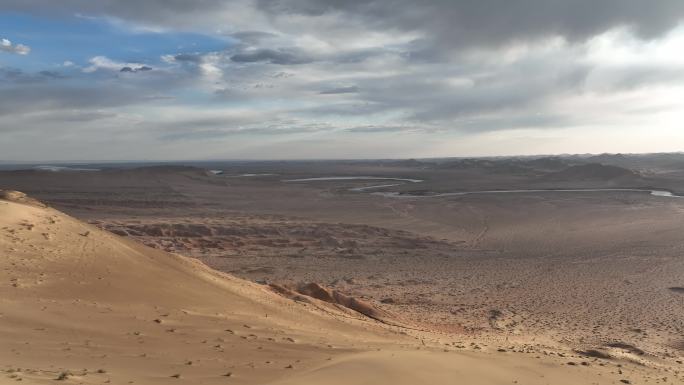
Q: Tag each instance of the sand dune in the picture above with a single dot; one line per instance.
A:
(83, 306)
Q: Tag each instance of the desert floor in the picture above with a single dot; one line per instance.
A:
(580, 284)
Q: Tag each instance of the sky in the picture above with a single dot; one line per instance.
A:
(330, 79)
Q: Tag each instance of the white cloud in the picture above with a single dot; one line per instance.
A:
(104, 63)
(20, 49)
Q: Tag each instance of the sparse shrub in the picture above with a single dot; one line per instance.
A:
(63, 376)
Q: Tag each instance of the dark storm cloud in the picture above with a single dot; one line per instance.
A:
(448, 22)
(135, 69)
(494, 22)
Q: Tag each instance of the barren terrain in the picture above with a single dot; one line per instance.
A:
(552, 273)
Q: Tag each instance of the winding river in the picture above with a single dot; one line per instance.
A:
(657, 193)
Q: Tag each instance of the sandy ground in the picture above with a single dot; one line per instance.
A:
(84, 306)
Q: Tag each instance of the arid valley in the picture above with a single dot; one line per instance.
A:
(574, 263)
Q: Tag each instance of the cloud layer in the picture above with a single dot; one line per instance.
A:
(355, 79)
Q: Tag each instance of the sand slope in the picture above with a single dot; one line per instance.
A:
(85, 306)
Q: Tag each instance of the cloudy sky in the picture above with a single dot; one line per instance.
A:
(293, 79)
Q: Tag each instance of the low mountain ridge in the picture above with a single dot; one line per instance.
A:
(592, 171)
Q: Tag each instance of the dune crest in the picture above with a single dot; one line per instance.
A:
(20, 197)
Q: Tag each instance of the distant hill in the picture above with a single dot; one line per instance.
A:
(645, 162)
(518, 166)
(550, 163)
(410, 163)
(608, 159)
(593, 171)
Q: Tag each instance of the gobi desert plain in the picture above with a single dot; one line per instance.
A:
(527, 270)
